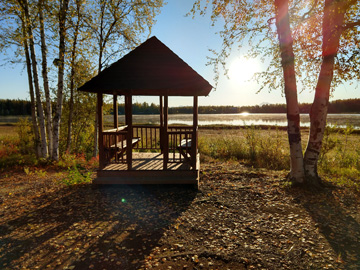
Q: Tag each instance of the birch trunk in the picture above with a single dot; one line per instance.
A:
(293, 115)
(60, 88)
(46, 81)
(40, 111)
(32, 98)
(72, 78)
(332, 28)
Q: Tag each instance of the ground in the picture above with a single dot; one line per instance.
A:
(240, 218)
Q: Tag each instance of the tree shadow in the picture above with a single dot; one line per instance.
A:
(333, 221)
(85, 228)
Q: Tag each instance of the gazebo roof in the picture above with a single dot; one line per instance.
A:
(150, 69)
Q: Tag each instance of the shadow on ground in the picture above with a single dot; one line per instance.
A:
(85, 228)
(337, 225)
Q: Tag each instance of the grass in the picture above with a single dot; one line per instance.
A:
(257, 147)
(268, 148)
(8, 131)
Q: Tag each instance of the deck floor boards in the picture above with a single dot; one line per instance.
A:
(149, 162)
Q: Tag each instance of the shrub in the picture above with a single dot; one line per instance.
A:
(76, 176)
(26, 136)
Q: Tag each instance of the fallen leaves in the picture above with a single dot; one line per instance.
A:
(239, 219)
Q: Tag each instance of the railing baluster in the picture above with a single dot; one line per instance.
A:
(174, 146)
(146, 136)
(150, 129)
(155, 137)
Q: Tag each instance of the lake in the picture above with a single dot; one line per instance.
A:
(242, 119)
(270, 119)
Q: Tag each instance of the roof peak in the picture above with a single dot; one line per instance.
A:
(150, 69)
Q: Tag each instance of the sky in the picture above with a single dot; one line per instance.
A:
(191, 40)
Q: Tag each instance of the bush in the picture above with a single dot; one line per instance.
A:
(76, 176)
(26, 136)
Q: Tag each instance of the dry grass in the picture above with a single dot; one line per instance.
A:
(9, 131)
(268, 148)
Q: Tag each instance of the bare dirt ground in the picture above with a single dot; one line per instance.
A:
(239, 219)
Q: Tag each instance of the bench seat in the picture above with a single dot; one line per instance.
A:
(123, 143)
(120, 148)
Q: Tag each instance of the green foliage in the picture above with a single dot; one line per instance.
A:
(26, 136)
(340, 156)
(76, 176)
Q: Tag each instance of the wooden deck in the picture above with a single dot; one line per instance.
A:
(147, 168)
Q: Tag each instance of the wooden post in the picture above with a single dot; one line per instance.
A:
(128, 119)
(165, 134)
(194, 139)
(101, 129)
(115, 106)
(161, 125)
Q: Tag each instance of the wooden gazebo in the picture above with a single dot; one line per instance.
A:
(143, 154)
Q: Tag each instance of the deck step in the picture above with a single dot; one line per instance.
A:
(145, 180)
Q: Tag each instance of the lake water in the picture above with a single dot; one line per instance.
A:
(270, 119)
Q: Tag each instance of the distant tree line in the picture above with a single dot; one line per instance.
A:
(14, 107)
(23, 107)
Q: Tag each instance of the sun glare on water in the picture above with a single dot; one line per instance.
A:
(242, 69)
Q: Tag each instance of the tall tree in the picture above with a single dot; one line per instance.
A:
(290, 89)
(332, 28)
(44, 71)
(31, 91)
(76, 21)
(24, 5)
(310, 38)
(62, 16)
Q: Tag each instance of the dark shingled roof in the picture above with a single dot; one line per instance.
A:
(150, 69)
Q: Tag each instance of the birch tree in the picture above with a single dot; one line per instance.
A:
(44, 66)
(306, 39)
(63, 10)
(24, 8)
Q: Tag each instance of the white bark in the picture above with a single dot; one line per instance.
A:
(32, 97)
(297, 174)
(333, 20)
(40, 111)
(46, 81)
(60, 88)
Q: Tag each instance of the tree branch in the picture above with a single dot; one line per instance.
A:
(351, 25)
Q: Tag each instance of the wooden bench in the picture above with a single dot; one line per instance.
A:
(120, 147)
(185, 144)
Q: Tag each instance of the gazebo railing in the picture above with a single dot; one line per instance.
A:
(113, 141)
(180, 143)
(149, 137)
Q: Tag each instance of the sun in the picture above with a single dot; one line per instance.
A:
(242, 69)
